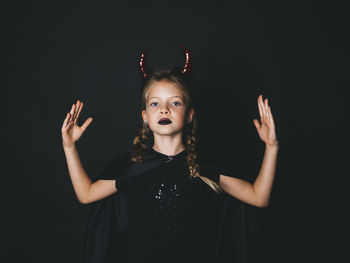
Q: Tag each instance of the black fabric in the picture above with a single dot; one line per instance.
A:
(161, 214)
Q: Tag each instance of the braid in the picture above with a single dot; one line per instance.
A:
(140, 143)
(190, 145)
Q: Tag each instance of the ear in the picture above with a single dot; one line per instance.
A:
(144, 115)
(190, 115)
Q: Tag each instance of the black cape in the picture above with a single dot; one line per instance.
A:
(239, 239)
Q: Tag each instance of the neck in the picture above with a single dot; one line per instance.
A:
(168, 147)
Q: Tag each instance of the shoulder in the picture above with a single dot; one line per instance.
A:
(121, 160)
(119, 163)
(214, 170)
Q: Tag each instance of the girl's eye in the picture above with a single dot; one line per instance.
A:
(175, 102)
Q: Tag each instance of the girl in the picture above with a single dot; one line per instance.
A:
(162, 203)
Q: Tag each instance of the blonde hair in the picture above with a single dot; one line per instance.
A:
(189, 134)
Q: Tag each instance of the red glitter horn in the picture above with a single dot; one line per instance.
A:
(143, 68)
(187, 65)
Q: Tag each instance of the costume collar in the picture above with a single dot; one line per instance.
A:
(169, 158)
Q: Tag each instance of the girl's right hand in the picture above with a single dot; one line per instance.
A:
(71, 132)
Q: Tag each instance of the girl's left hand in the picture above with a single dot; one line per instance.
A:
(266, 130)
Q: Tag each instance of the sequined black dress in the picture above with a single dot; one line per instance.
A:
(161, 214)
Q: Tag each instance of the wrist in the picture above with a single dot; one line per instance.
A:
(274, 145)
(68, 146)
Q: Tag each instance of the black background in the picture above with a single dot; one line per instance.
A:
(295, 53)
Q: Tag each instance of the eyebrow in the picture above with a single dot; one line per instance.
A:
(170, 97)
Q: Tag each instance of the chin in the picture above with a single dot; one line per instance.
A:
(166, 131)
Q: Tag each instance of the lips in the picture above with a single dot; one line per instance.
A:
(164, 121)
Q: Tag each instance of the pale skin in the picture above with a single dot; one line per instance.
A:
(258, 193)
(165, 99)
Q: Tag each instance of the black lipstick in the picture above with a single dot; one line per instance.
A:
(164, 121)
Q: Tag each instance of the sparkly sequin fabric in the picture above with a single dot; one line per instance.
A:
(164, 212)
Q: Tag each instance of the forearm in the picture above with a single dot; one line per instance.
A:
(264, 181)
(80, 180)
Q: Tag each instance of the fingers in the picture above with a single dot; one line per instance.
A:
(86, 124)
(268, 113)
(76, 108)
(264, 109)
(264, 106)
(72, 110)
(79, 108)
(267, 110)
(256, 123)
(271, 117)
(73, 114)
(260, 107)
(66, 120)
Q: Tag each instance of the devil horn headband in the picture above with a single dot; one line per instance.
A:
(142, 65)
(187, 65)
(186, 68)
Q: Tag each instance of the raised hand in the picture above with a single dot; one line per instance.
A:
(266, 129)
(71, 132)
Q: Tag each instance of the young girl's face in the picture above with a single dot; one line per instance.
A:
(165, 100)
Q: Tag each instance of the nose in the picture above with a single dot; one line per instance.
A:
(164, 110)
